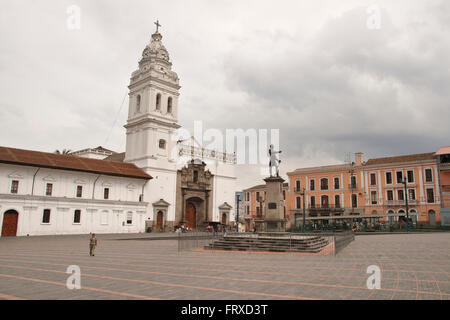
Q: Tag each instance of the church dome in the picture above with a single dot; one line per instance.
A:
(156, 49)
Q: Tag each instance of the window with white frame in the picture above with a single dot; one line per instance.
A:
(410, 175)
(46, 216)
(390, 195)
(373, 197)
(49, 189)
(388, 177)
(77, 216)
(336, 183)
(428, 175)
(411, 194)
(430, 195)
(15, 186)
(399, 176)
(373, 179)
(130, 217)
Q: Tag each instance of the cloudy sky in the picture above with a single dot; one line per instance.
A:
(313, 69)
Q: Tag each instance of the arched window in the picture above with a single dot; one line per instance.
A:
(138, 103)
(169, 105)
(158, 101)
(324, 201)
(162, 144)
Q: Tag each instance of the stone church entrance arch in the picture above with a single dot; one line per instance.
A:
(9, 226)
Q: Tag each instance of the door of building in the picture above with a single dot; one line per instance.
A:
(9, 226)
(190, 215)
(159, 221)
(224, 218)
(432, 217)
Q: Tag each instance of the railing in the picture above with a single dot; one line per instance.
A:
(202, 153)
(400, 202)
(352, 186)
(341, 240)
(193, 240)
(325, 206)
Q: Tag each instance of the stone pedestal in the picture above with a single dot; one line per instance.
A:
(274, 218)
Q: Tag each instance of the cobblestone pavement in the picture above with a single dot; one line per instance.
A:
(414, 266)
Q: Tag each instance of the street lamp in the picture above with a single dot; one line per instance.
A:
(406, 202)
(303, 193)
(237, 212)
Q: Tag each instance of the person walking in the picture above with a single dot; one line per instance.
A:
(92, 244)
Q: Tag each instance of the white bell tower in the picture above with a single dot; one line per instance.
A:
(153, 108)
(151, 128)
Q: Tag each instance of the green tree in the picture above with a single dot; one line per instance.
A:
(64, 151)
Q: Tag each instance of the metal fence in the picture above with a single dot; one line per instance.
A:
(193, 240)
(341, 240)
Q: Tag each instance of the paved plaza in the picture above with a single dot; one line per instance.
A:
(414, 266)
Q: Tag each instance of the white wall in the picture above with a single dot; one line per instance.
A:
(30, 203)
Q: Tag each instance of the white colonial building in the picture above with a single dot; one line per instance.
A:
(158, 181)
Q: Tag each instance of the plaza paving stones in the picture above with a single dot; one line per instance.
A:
(414, 266)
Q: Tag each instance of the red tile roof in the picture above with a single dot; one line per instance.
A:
(68, 162)
(407, 158)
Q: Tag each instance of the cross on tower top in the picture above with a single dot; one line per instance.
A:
(157, 25)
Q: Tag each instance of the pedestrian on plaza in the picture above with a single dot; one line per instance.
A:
(92, 244)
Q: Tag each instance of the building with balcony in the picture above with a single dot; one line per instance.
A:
(443, 160)
(376, 189)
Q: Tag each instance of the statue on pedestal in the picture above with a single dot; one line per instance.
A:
(274, 161)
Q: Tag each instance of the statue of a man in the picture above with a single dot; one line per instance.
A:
(274, 161)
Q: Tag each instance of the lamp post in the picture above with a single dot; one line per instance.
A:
(406, 203)
(237, 212)
(303, 193)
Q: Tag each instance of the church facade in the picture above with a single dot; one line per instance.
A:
(172, 182)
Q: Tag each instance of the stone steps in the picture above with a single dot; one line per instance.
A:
(311, 244)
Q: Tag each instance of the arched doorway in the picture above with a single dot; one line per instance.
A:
(224, 218)
(9, 227)
(191, 215)
(159, 221)
(432, 218)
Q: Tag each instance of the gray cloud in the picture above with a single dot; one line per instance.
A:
(313, 70)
